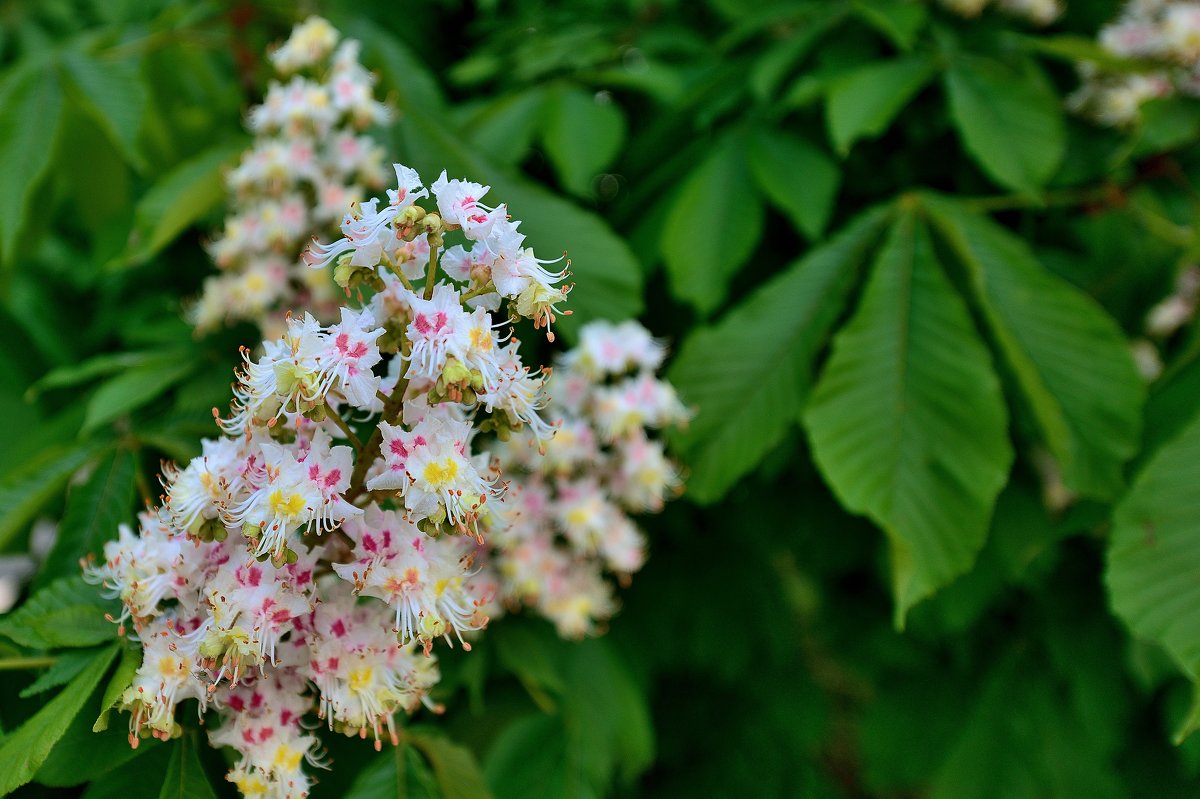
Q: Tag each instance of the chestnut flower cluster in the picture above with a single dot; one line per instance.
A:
(569, 503)
(310, 159)
(306, 563)
(1164, 34)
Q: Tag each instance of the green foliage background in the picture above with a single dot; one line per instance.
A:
(900, 281)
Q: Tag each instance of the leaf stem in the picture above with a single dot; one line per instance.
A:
(39, 662)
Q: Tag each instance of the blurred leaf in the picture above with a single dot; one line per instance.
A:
(1074, 49)
(772, 68)
(93, 511)
(864, 102)
(23, 751)
(899, 20)
(62, 672)
(179, 198)
(1154, 553)
(796, 177)
(185, 776)
(1011, 122)
(134, 388)
(1070, 361)
(458, 775)
(397, 773)
(907, 422)
(1166, 123)
(583, 134)
(24, 491)
(504, 128)
(66, 613)
(1026, 741)
(529, 651)
(128, 781)
(32, 100)
(529, 761)
(96, 366)
(713, 226)
(607, 719)
(748, 375)
(115, 96)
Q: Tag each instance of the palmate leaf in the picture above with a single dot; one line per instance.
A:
(582, 135)
(747, 376)
(796, 177)
(713, 226)
(398, 772)
(93, 512)
(1154, 552)
(66, 613)
(455, 769)
(1011, 122)
(32, 98)
(1068, 357)
(24, 751)
(907, 422)
(864, 102)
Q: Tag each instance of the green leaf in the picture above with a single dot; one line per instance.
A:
(131, 661)
(530, 652)
(747, 376)
(863, 103)
(1011, 122)
(23, 751)
(396, 773)
(62, 672)
(1154, 552)
(93, 512)
(1026, 740)
(128, 781)
(454, 767)
(609, 732)
(178, 199)
(133, 389)
(32, 101)
(504, 128)
(1068, 357)
(712, 227)
(907, 422)
(583, 133)
(529, 761)
(796, 177)
(96, 366)
(26, 490)
(185, 776)
(66, 613)
(899, 20)
(113, 93)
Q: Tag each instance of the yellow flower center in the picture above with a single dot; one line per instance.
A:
(286, 504)
(360, 679)
(439, 475)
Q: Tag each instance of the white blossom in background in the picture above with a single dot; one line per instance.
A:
(1163, 37)
(1036, 12)
(569, 511)
(310, 160)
